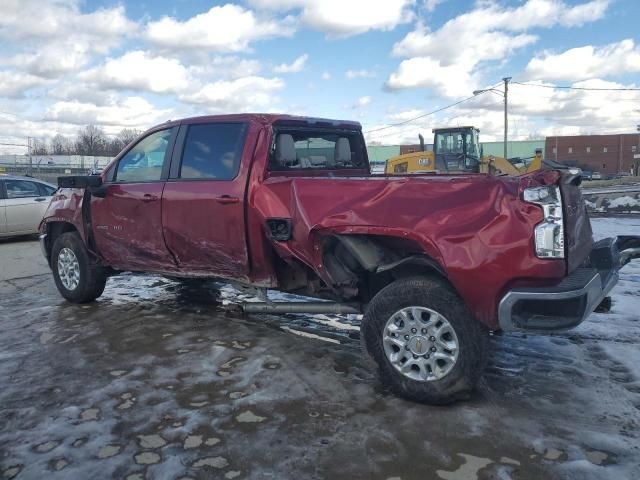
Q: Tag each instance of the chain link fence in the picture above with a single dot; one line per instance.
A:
(50, 167)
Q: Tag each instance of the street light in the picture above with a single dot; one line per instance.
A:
(504, 94)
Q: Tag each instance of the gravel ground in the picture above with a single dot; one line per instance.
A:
(161, 380)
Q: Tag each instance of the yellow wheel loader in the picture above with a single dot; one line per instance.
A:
(457, 150)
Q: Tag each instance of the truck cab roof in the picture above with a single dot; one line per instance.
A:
(267, 119)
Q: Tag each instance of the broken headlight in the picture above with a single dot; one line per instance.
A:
(549, 234)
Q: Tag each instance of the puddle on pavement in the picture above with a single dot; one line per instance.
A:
(47, 446)
(151, 441)
(109, 451)
(215, 462)
(147, 458)
(89, 414)
(249, 417)
(312, 401)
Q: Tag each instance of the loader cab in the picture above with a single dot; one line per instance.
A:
(457, 150)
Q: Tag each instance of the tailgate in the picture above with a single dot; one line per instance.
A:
(578, 236)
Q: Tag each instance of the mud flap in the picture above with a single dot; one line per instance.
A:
(629, 248)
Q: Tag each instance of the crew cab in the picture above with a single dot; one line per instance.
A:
(282, 202)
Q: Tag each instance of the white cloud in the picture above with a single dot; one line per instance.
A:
(353, 74)
(139, 70)
(430, 5)
(55, 37)
(37, 19)
(404, 115)
(326, 75)
(224, 66)
(362, 102)
(227, 28)
(295, 67)
(490, 124)
(16, 84)
(339, 18)
(71, 89)
(448, 59)
(240, 95)
(135, 112)
(586, 62)
(589, 111)
(52, 60)
(425, 72)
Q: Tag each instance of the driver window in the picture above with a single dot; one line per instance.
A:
(471, 145)
(143, 163)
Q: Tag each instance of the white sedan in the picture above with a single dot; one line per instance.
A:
(23, 201)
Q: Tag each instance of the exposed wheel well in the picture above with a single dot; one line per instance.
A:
(54, 230)
(361, 265)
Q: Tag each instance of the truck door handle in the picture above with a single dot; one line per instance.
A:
(40, 199)
(226, 199)
(147, 197)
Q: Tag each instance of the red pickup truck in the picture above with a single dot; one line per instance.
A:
(289, 203)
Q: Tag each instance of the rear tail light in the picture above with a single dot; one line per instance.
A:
(549, 234)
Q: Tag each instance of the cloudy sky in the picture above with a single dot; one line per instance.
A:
(68, 63)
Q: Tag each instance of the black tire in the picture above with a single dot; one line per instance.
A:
(92, 278)
(437, 295)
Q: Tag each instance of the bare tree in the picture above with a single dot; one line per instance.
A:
(91, 141)
(38, 147)
(124, 138)
(127, 135)
(61, 145)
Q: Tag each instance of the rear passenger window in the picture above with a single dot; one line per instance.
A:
(213, 151)
(21, 189)
(316, 149)
(46, 190)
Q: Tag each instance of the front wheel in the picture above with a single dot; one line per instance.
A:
(427, 345)
(77, 279)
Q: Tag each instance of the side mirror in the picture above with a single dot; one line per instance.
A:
(93, 183)
(80, 181)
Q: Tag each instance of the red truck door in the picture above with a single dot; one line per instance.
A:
(204, 199)
(127, 222)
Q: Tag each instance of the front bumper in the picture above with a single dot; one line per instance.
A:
(570, 302)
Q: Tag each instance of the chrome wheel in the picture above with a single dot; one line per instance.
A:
(420, 344)
(68, 269)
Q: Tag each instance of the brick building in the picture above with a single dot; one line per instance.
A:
(607, 154)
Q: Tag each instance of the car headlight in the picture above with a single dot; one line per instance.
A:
(549, 234)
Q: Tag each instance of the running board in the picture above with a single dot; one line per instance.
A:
(302, 307)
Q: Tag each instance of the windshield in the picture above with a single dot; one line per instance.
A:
(451, 142)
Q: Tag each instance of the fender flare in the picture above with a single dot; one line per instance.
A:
(418, 260)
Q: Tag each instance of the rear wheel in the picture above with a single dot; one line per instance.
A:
(77, 279)
(427, 345)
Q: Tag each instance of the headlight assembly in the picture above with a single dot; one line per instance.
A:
(549, 234)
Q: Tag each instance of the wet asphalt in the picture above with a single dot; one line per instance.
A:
(163, 380)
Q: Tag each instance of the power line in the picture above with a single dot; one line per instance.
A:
(568, 87)
(404, 122)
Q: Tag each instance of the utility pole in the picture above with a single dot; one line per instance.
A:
(506, 81)
(505, 94)
(29, 153)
